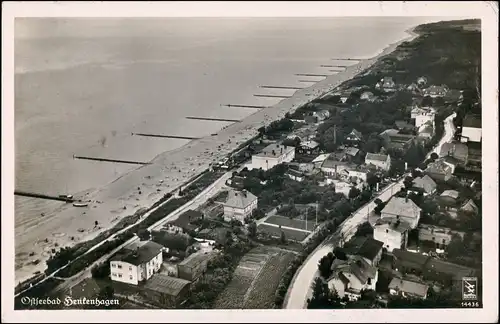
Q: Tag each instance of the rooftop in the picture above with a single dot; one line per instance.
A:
(410, 257)
(239, 199)
(142, 254)
(370, 248)
(450, 193)
(275, 150)
(410, 287)
(426, 183)
(376, 157)
(400, 226)
(309, 144)
(331, 163)
(352, 151)
(321, 158)
(357, 133)
(473, 121)
(195, 259)
(402, 207)
(165, 284)
(438, 167)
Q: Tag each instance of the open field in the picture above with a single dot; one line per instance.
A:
(255, 280)
(295, 223)
(290, 234)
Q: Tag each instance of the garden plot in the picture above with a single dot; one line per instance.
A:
(275, 231)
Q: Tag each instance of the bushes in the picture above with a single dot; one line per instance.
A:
(101, 271)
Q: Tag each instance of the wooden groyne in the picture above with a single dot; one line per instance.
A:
(347, 59)
(244, 106)
(166, 136)
(313, 75)
(337, 66)
(215, 119)
(309, 81)
(42, 196)
(108, 160)
(271, 96)
(280, 87)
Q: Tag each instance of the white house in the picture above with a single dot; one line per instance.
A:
(350, 277)
(402, 209)
(358, 174)
(239, 205)
(333, 168)
(393, 234)
(273, 155)
(367, 95)
(137, 262)
(435, 91)
(471, 128)
(423, 115)
(425, 184)
(321, 115)
(386, 84)
(380, 161)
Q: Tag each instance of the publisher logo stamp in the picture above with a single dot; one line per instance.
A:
(469, 288)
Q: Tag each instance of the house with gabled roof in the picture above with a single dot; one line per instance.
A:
(386, 84)
(354, 138)
(379, 161)
(471, 128)
(239, 205)
(365, 247)
(435, 91)
(352, 276)
(456, 150)
(425, 184)
(392, 233)
(470, 207)
(403, 209)
(439, 170)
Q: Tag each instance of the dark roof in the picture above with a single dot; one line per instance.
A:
(408, 286)
(376, 157)
(165, 284)
(370, 248)
(406, 257)
(239, 199)
(401, 124)
(144, 253)
(295, 173)
(472, 121)
(186, 219)
(195, 259)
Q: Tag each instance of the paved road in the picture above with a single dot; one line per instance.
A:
(300, 289)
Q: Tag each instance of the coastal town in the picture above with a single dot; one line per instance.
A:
(368, 196)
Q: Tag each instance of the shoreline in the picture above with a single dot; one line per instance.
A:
(169, 170)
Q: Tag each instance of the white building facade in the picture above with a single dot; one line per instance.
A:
(273, 155)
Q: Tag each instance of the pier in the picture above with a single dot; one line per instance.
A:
(313, 75)
(337, 66)
(347, 59)
(42, 196)
(215, 119)
(108, 160)
(278, 87)
(244, 106)
(166, 136)
(271, 96)
(309, 81)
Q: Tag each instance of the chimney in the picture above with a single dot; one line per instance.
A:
(406, 199)
(406, 166)
(281, 151)
(377, 186)
(273, 152)
(244, 192)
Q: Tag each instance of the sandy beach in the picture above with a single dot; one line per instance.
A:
(143, 186)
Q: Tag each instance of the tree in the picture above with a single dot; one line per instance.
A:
(144, 234)
(372, 180)
(252, 229)
(364, 229)
(354, 192)
(283, 237)
(325, 264)
(434, 156)
(408, 182)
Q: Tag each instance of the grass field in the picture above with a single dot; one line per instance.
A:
(290, 234)
(295, 223)
(255, 280)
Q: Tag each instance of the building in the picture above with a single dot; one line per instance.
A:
(303, 134)
(425, 184)
(341, 187)
(392, 234)
(379, 161)
(393, 139)
(137, 262)
(386, 84)
(439, 170)
(470, 207)
(441, 236)
(318, 161)
(194, 265)
(423, 115)
(422, 81)
(333, 168)
(426, 131)
(352, 276)
(456, 150)
(450, 196)
(308, 147)
(435, 91)
(354, 138)
(474, 157)
(471, 128)
(239, 205)
(357, 174)
(402, 209)
(367, 95)
(406, 288)
(166, 291)
(295, 175)
(351, 151)
(273, 155)
(322, 114)
(187, 221)
(367, 248)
